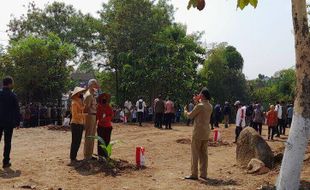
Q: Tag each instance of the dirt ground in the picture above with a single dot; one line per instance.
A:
(40, 161)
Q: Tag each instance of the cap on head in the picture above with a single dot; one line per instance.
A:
(205, 92)
(91, 82)
(237, 103)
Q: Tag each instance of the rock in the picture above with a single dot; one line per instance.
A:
(251, 145)
(257, 166)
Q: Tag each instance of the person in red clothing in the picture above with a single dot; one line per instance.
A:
(272, 121)
(104, 118)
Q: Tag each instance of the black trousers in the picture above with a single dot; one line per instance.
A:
(140, 117)
(105, 134)
(271, 132)
(8, 133)
(281, 127)
(258, 127)
(77, 132)
(159, 120)
(168, 120)
(237, 132)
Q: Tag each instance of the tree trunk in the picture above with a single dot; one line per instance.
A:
(289, 177)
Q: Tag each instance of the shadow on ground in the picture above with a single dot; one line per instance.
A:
(9, 173)
(219, 182)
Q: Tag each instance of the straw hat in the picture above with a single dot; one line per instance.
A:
(77, 90)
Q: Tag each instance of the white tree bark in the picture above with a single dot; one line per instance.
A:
(289, 177)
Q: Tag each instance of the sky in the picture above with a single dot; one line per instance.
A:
(264, 36)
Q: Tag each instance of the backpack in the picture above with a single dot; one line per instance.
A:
(140, 105)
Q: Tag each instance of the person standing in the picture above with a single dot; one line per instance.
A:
(258, 118)
(190, 108)
(90, 118)
(217, 115)
(226, 112)
(272, 121)
(278, 109)
(127, 111)
(240, 119)
(159, 112)
(77, 122)
(201, 132)
(150, 113)
(104, 118)
(284, 118)
(290, 111)
(140, 110)
(9, 117)
(169, 113)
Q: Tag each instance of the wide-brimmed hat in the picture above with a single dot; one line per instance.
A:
(77, 90)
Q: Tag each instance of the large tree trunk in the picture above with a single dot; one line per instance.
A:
(289, 177)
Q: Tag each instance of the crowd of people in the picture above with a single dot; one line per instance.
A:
(36, 114)
(91, 112)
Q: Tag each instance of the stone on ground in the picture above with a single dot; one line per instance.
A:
(251, 145)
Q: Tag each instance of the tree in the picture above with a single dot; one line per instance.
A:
(289, 177)
(70, 25)
(222, 72)
(40, 67)
(142, 38)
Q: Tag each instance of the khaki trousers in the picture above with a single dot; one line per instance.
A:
(90, 130)
(199, 153)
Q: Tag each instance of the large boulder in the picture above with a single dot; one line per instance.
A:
(251, 145)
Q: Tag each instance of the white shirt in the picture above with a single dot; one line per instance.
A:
(127, 106)
(143, 105)
(240, 117)
(279, 110)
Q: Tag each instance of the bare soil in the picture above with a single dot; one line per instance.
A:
(40, 159)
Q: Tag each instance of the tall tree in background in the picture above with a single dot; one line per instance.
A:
(148, 53)
(70, 25)
(289, 177)
(223, 75)
(40, 67)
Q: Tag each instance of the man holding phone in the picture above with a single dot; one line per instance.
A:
(201, 115)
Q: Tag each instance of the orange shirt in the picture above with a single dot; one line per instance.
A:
(77, 109)
(272, 118)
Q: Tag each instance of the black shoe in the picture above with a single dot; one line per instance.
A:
(204, 178)
(93, 158)
(191, 177)
(8, 165)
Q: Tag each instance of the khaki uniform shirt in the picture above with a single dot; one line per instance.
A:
(201, 115)
(90, 103)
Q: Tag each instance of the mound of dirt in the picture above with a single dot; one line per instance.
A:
(112, 168)
(184, 141)
(57, 128)
(210, 143)
(251, 145)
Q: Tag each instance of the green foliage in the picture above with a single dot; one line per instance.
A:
(40, 67)
(70, 25)
(277, 88)
(106, 148)
(146, 50)
(240, 4)
(222, 73)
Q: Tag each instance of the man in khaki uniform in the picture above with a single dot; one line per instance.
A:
(201, 115)
(90, 118)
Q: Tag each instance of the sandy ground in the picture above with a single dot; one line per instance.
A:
(40, 159)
